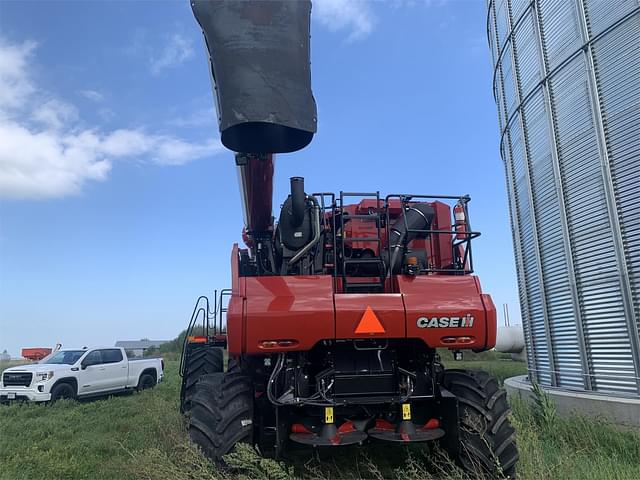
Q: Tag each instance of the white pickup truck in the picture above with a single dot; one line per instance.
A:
(79, 374)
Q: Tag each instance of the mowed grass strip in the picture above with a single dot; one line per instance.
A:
(142, 435)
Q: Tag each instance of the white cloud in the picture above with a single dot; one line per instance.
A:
(45, 149)
(353, 15)
(15, 85)
(93, 95)
(44, 164)
(55, 114)
(173, 151)
(161, 149)
(176, 51)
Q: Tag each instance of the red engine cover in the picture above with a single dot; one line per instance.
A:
(288, 308)
(388, 315)
(279, 313)
(448, 307)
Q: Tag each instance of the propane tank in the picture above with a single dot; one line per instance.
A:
(461, 221)
(510, 339)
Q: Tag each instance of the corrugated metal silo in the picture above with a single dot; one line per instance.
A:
(567, 86)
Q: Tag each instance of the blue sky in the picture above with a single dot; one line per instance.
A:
(118, 206)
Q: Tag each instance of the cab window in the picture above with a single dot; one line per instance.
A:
(93, 358)
(111, 355)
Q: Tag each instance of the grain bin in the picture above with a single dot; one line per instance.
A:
(567, 87)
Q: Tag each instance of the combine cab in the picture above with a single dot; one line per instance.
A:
(335, 311)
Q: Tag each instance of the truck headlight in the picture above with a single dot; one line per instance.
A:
(43, 376)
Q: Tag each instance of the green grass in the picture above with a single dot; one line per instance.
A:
(143, 436)
(500, 369)
(13, 363)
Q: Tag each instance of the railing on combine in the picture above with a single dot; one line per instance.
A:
(212, 324)
(375, 263)
(461, 251)
(458, 238)
(327, 202)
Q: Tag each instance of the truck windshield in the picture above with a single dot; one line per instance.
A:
(67, 356)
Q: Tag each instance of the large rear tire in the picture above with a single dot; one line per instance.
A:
(222, 413)
(487, 439)
(201, 360)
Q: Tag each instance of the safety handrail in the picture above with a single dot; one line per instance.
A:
(465, 264)
(207, 315)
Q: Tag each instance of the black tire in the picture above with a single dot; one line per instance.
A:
(146, 381)
(201, 360)
(487, 439)
(62, 390)
(233, 366)
(222, 413)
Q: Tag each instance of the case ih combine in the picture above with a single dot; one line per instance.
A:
(336, 310)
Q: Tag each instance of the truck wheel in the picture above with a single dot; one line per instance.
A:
(222, 413)
(201, 361)
(146, 381)
(487, 439)
(62, 390)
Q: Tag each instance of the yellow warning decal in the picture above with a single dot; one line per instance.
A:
(406, 411)
(328, 414)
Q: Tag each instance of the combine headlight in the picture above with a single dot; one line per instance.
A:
(43, 376)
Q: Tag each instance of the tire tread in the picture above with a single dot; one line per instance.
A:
(202, 360)
(487, 439)
(220, 402)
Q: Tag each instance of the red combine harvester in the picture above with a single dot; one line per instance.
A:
(35, 354)
(336, 310)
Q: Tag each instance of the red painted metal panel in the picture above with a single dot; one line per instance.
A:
(452, 301)
(235, 312)
(387, 307)
(442, 249)
(256, 187)
(298, 308)
(235, 323)
(235, 270)
(492, 321)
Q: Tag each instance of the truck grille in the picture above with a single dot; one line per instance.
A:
(17, 379)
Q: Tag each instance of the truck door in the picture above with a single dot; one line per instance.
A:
(116, 368)
(91, 374)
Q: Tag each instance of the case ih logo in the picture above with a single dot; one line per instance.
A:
(445, 322)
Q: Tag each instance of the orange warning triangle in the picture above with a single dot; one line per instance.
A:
(369, 323)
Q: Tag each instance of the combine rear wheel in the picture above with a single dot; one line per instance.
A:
(201, 360)
(222, 413)
(487, 439)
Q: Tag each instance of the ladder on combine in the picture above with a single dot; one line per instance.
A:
(204, 340)
(361, 274)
